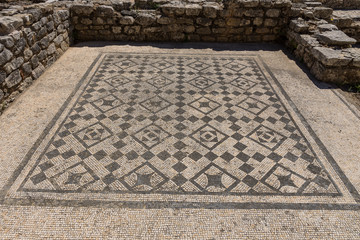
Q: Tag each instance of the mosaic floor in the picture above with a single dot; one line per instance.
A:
(180, 129)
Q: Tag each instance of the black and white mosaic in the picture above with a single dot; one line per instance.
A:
(181, 125)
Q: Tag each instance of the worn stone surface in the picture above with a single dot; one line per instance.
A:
(327, 27)
(335, 38)
(330, 56)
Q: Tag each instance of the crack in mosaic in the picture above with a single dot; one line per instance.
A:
(179, 125)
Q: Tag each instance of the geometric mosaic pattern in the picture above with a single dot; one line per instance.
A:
(162, 124)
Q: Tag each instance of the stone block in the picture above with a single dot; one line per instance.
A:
(82, 9)
(262, 30)
(322, 12)
(34, 61)
(171, 9)
(26, 69)
(210, 11)
(64, 45)
(51, 36)
(13, 65)
(7, 41)
(43, 21)
(36, 48)
(42, 55)
(120, 5)
(307, 40)
(165, 20)
(189, 29)
(86, 21)
(249, 30)
(145, 19)
(254, 13)
(132, 30)
(176, 36)
(219, 30)
(9, 24)
(152, 30)
(220, 22)
(98, 21)
(104, 11)
(269, 38)
(273, 13)
(116, 30)
(330, 57)
(44, 43)
(203, 31)
(258, 21)
(354, 54)
(131, 13)
(50, 26)
(105, 32)
(65, 14)
(270, 22)
(27, 54)
(337, 37)
(51, 49)
(193, 9)
(295, 12)
(236, 22)
(172, 28)
(5, 56)
(204, 21)
(41, 33)
(16, 35)
(127, 20)
(235, 30)
(13, 79)
(276, 3)
(36, 73)
(2, 76)
(250, 3)
(327, 27)
(187, 21)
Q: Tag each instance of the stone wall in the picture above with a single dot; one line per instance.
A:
(325, 49)
(226, 21)
(348, 22)
(31, 39)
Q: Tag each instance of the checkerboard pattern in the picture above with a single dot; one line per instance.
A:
(179, 124)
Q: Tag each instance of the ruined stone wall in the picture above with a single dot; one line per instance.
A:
(348, 22)
(228, 21)
(326, 50)
(31, 39)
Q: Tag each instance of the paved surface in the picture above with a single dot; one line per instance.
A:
(186, 141)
